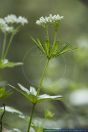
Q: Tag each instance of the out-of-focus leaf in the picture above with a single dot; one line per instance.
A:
(46, 97)
(8, 64)
(13, 111)
(14, 130)
(39, 44)
(48, 114)
(37, 127)
(4, 93)
(66, 48)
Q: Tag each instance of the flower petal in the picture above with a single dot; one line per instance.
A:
(24, 89)
(46, 97)
(33, 91)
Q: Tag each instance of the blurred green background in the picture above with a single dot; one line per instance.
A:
(67, 75)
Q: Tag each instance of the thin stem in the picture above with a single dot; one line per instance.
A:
(55, 36)
(3, 46)
(47, 33)
(42, 77)
(30, 121)
(38, 91)
(10, 41)
(9, 44)
(1, 123)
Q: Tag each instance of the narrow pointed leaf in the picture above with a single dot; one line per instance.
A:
(23, 88)
(66, 48)
(55, 49)
(8, 64)
(4, 93)
(47, 47)
(46, 97)
(30, 97)
(33, 91)
(12, 110)
(39, 44)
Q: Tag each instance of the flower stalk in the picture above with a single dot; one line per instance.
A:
(8, 46)
(3, 46)
(38, 92)
(30, 121)
(1, 118)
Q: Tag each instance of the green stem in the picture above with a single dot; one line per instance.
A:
(47, 33)
(10, 41)
(42, 77)
(1, 118)
(3, 46)
(55, 36)
(30, 121)
(38, 91)
(9, 44)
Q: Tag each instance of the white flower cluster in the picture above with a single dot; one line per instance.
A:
(11, 19)
(14, 19)
(50, 19)
(4, 27)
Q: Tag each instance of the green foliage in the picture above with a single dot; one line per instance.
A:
(13, 111)
(8, 64)
(48, 114)
(4, 93)
(32, 96)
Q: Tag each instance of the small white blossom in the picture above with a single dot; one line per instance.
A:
(2, 22)
(22, 20)
(50, 19)
(14, 19)
(33, 91)
(11, 19)
(6, 28)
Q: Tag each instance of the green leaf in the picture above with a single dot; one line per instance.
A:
(14, 130)
(12, 110)
(7, 64)
(48, 114)
(54, 49)
(66, 48)
(47, 47)
(39, 44)
(30, 95)
(38, 127)
(46, 97)
(4, 93)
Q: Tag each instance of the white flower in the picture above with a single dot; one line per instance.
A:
(24, 89)
(5, 61)
(33, 91)
(22, 20)
(11, 19)
(2, 22)
(6, 28)
(14, 19)
(50, 19)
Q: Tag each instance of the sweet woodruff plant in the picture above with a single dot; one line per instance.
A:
(51, 48)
